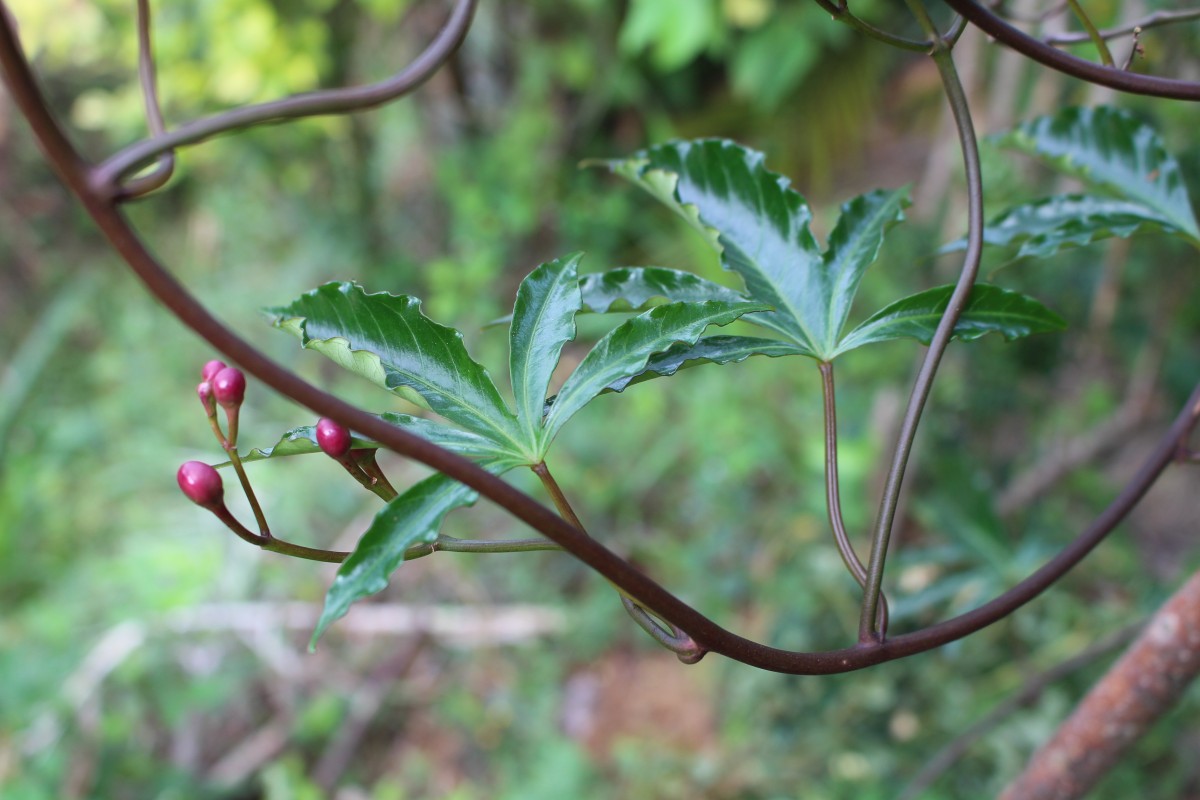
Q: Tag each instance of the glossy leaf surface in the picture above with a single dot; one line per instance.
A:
(989, 309)
(760, 225)
(709, 350)
(410, 519)
(1044, 227)
(543, 321)
(1115, 151)
(625, 350)
(388, 340)
(634, 289)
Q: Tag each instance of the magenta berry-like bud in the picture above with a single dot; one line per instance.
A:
(332, 438)
(201, 483)
(211, 369)
(229, 387)
(205, 392)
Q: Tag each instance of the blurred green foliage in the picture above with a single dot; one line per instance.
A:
(127, 670)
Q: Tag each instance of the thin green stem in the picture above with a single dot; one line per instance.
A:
(957, 98)
(840, 11)
(1093, 33)
(833, 500)
(366, 458)
(229, 445)
(674, 639)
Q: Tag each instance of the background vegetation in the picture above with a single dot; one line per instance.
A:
(146, 653)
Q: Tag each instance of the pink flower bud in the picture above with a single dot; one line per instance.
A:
(205, 392)
(211, 369)
(332, 438)
(201, 483)
(229, 387)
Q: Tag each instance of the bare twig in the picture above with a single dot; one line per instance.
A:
(1144, 684)
(329, 101)
(1155, 20)
(1033, 688)
(1062, 460)
(365, 703)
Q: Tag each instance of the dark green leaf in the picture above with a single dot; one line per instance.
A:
(854, 246)
(709, 350)
(625, 350)
(750, 215)
(989, 309)
(1115, 151)
(412, 518)
(760, 226)
(303, 440)
(387, 339)
(1044, 227)
(633, 289)
(543, 321)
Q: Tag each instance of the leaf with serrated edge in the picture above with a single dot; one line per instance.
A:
(410, 519)
(303, 440)
(761, 228)
(1116, 151)
(1044, 227)
(854, 246)
(387, 339)
(709, 350)
(751, 215)
(635, 289)
(625, 350)
(989, 309)
(543, 321)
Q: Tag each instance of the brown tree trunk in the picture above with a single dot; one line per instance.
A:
(1140, 687)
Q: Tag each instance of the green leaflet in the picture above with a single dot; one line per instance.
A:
(640, 288)
(709, 350)
(625, 350)
(303, 440)
(760, 226)
(1044, 227)
(989, 309)
(387, 339)
(1116, 152)
(412, 518)
(543, 321)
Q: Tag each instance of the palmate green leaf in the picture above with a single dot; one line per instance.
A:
(388, 340)
(412, 518)
(1044, 227)
(543, 321)
(633, 289)
(709, 350)
(989, 309)
(625, 350)
(752, 217)
(760, 226)
(1116, 152)
(303, 440)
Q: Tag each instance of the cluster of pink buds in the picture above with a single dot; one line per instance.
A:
(225, 386)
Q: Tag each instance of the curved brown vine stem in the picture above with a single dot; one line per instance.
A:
(100, 204)
(868, 631)
(165, 167)
(1048, 56)
(330, 101)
